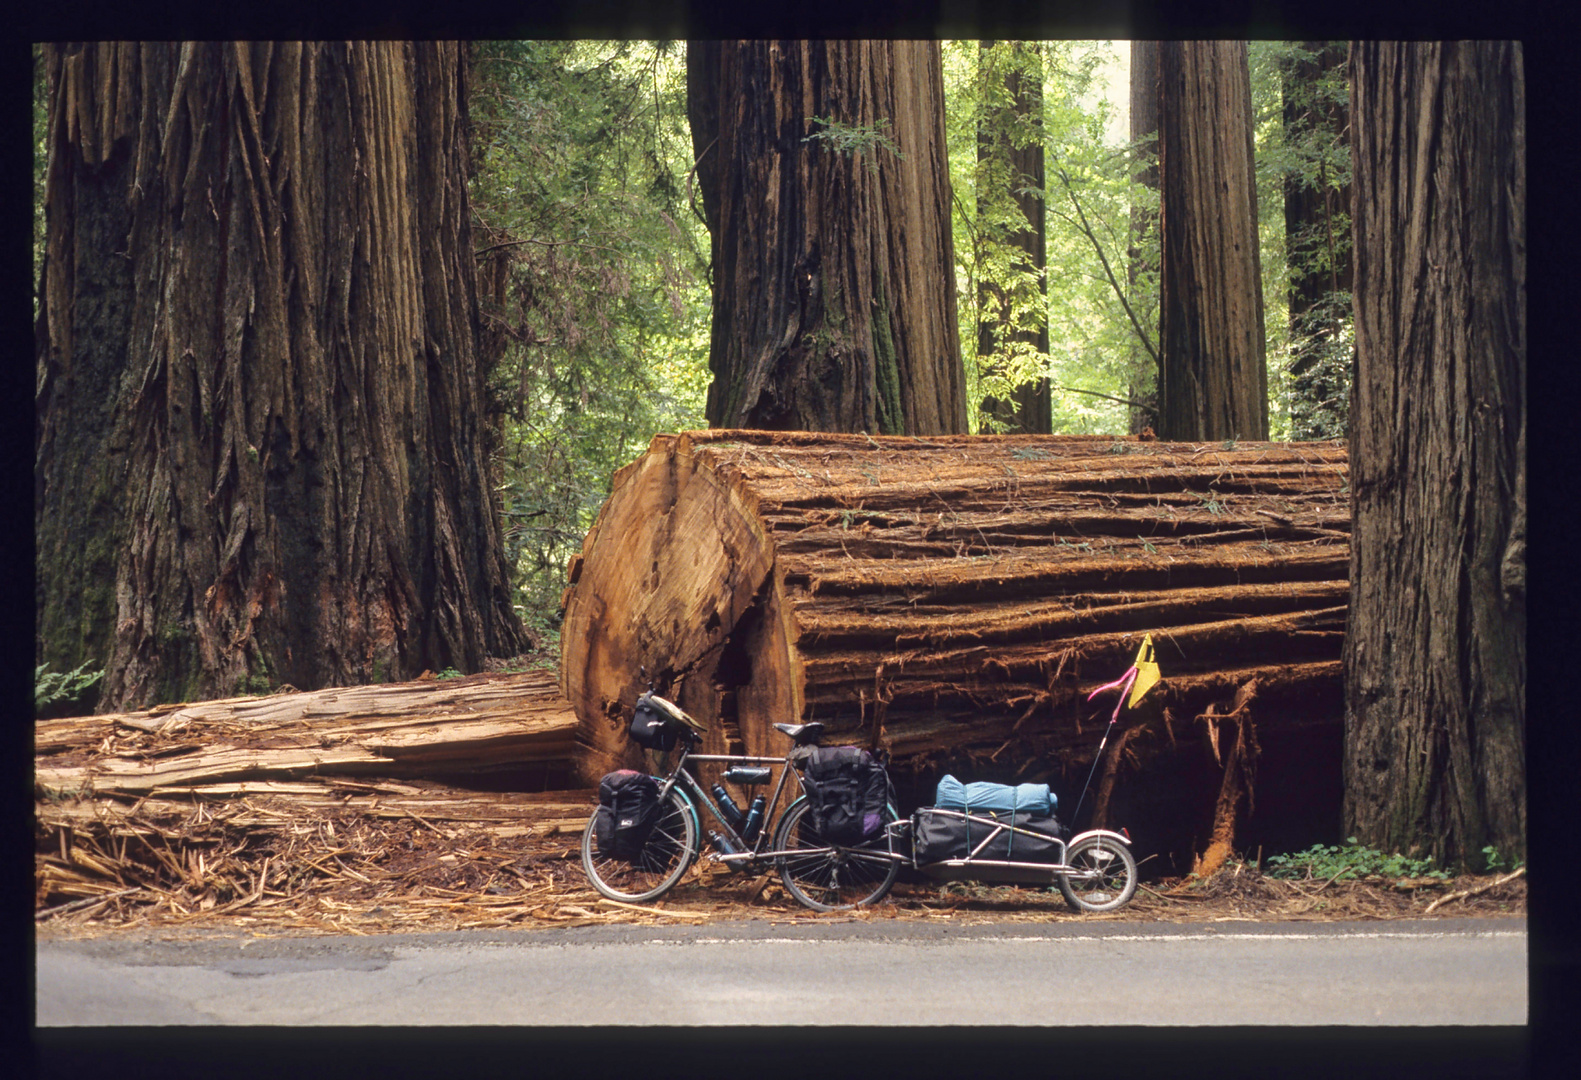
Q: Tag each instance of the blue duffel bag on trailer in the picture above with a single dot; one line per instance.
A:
(1034, 799)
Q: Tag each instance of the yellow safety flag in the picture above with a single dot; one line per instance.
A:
(1146, 672)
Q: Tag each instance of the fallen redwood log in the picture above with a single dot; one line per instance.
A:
(955, 596)
(476, 724)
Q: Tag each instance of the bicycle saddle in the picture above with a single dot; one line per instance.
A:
(802, 734)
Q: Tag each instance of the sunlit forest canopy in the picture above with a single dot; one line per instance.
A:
(594, 257)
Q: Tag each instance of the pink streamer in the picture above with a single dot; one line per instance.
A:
(1124, 683)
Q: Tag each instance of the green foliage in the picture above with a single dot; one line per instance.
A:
(593, 282)
(448, 673)
(1099, 296)
(1322, 341)
(1349, 862)
(1497, 863)
(1309, 351)
(53, 689)
(855, 138)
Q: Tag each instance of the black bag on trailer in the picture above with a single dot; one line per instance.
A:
(940, 835)
(847, 790)
(627, 801)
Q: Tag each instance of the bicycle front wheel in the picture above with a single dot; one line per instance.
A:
(664, 857)
(828, 877)
(1103, 875)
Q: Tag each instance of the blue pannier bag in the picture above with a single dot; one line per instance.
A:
(1034, 799)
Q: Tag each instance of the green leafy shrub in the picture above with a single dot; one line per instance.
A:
(1497, 863)
(52, 689)
(1349, 862)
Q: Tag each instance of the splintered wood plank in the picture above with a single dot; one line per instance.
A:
(407, 729)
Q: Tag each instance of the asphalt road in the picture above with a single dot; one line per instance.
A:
(1439, 972)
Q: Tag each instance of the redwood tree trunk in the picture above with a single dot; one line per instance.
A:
(1435, 650)
(1017, 164)
(260, 454)
(833, 267)
(1143, 261)
(1215, 382)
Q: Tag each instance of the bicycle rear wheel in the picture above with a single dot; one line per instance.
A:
(1103, 877)
(827, 877)
(664, 857)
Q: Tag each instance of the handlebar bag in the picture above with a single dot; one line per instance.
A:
(627, 801)
(847, 790)
(652, 730)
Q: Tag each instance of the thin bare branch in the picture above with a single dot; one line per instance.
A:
(1086, 230)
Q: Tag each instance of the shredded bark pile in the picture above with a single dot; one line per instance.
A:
(360, 858)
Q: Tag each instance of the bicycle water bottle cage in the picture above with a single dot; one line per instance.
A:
(802, 734)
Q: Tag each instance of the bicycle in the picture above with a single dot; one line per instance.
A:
(818, 874)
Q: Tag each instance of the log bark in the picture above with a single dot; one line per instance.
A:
(477, 724)
(276, 806)
(955, 595)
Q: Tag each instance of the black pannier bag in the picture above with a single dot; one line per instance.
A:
(627, 801)
(847, 790)
(652, 730)
(940, 835)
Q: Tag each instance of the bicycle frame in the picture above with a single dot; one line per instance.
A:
(693, 789)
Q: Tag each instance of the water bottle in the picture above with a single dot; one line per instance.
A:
(749, 831)
(728, 807)
(721, 845)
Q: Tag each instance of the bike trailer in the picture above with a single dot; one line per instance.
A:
(1005, 830)
(939, 835)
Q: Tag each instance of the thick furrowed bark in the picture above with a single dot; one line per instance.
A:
(260, 455)
(1435, 727)
(1213, 379)
(831, 311)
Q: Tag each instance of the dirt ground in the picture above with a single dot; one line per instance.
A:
(355, 874)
